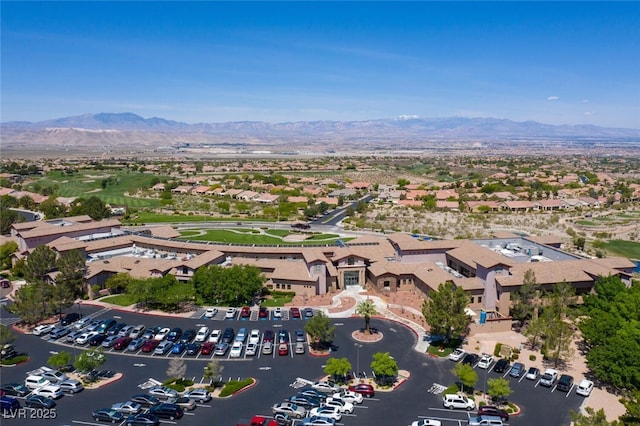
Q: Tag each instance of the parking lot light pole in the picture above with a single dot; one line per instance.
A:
(358, 346)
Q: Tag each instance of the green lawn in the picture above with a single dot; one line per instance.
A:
(88, 183)
(150, 217)
(628, 249)
(226, 236)
(277, 299)
(119, 299)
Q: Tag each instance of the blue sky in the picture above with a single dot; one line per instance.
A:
(558, 63)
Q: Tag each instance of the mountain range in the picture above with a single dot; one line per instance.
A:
(123, 128)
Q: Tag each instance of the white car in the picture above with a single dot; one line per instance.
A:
(327, 411)
(43, 329)
(50, 391)
(230, 314)
(349, 396)
(54, 376)
(453, 400)
(83, 339)
(251, 349)
(202, 334)
(162, 334)
(163, 392)
(210, 312)
(128, 407)
(236, 350)
(214, 336)
(292, 410)
(326, 387)
(549, 377)
(457, 354)
(584, 387)
(137, 331)
(199, 395)
(426, 422)
(343, 406)
(254, 336)
(277, 313)
(485, 361)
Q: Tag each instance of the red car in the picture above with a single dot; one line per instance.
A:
(488, 410)
(295, 313)
(121, 343)
(283, 349)
(149, 345)
(363, 389)
(263, 312)
(207, 348)
(245, 312)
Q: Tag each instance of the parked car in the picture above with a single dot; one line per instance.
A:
(50, 391)
(109, 341)
(453, 400)
(210, 312)
(318, 421)
(295, 313)
(193, 348)
(15, 389)
(72, 336)
(251, 349)
(501, 365)
(485, 421)
(207, 348)
(162, 334)
(306, 402)
(115, 330)
(283, 336)
(267, 348)
(71, 386)
(230, 313)
(175, 334)
(214, 336)
(517, 370)
(106, 325)
(163, 392)
(331, 412)
(34, 382)
(242, 335)
(268, 336)
(39, 401)
(300, 336)
(43, 329)
(54, 376)
(426, 422)
(565, 383)
(245, 312)
(167, 411)
(178, 348)
(364, 389)
(121, 343)
(457, 354)
(9, 404)
(149, 346)
(143, 419)
(202, 334)
(188, 336)
(136, 344)
(59, 332)
(532, 373)
(485, 361)
(263, 312)
(107, 415)
(162, 348)
(290, 409)
(314, 393)
(150, 333)
(584, 387)
(276, 313)
(343, 406)
(490, 410)
(254, 336)
(128, 407)
(69, 318)
(97, 339)
(470, 359)
(299, 348)
(145, 399)
(228, 335)
(549, 377)
(236, 350)
(198, 394)
(125, 331)
(137, 331)
(221, 349)
(308, 312)
(283, 349)
(326, 387)
(81, 323)
(349, 396)
(185, 403)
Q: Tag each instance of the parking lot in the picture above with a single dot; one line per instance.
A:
(280, 376)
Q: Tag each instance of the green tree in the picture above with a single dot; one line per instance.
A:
(534, 332)
(90, 360)
(557, 320)
(591, 418)
(6, 335)
(366, 309)
(338, 368)
(52, 208)
(7, 218)
(402, 183)
(522, 301)
(579, 242)
(466, 374)
(92, 206)
(164, 293)
(6, 250)
(499, 389)
(385, 367)
(631, 402)
(71, 270)
(444, 311)
(60, 359)
(40, 263)
(235, 286)
(118, 283)
(319, 328)
(28, 304)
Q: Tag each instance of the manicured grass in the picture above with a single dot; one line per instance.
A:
(226, 236)
(278, 298)
(119, 299)
(189, 233)
(324, 237)
(278, 232)
(150, 217)
(628, 249)
(234, 386)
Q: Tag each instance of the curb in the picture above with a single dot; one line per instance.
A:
(16, 364)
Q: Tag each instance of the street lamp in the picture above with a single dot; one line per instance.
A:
(358, 346)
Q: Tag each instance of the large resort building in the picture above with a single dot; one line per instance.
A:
(488, 270)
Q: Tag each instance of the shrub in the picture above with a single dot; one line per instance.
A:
(515, 356)
(15, 360)
(532, 357)
(496, 350)
(234, 386)
(451, 389)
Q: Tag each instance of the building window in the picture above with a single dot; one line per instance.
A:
(277, 285)
(479, 299)
(288, 286)
(185, 270)
(472, 299)
(351, 261)
(386, 284)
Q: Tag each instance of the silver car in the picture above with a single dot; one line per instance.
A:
(289, 408)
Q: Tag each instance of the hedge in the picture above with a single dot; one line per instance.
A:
(234, 386)
(15, 360)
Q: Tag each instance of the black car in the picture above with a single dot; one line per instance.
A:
(501, 366)
(228, 335)
(69, 318)
(565, 383)
(305, 401)
(167, 411)
(142, 420)
(144, 399)
(193, 348)
(113, 331)
(471, 359)
(283, 336)
(97, 339)
(39, 401)
(489, 410)
(15, 389)
(175, 334)
(268, 336)
(188, 336)
(107, 415)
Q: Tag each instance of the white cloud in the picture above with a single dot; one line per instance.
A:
(553, 98)
(588, 113)
(585, 101)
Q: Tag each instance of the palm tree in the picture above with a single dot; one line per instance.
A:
(366, 309)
